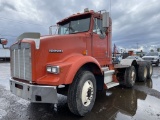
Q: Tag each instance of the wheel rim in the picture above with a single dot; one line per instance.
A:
(133, 76)
(145, 72)
(150, 69)
(87, 93)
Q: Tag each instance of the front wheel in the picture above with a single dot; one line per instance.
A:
(82, 93)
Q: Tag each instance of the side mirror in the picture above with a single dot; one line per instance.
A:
(52, 28)
(3, 41)
(105, 19)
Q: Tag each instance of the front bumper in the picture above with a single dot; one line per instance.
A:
(152, 61)
(34, 93)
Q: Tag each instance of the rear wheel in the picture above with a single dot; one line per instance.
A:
(130, 76)
(142, 72)
(82, 93)
(149, 70)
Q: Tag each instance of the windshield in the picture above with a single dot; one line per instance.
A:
(75, 25)
(152, 54)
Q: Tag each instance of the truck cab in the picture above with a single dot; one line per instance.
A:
(4, 51)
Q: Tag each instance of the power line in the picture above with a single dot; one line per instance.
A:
(9, 35)
(1, 35)
(18, 21)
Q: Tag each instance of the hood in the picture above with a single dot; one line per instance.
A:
(56, 49)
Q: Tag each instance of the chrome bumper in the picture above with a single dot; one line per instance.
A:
(34, 93)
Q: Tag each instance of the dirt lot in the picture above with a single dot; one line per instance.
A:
(142, 102)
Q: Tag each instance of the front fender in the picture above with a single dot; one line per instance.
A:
(68, 70)
(76, 63)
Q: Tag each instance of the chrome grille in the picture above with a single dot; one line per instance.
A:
(21, 61)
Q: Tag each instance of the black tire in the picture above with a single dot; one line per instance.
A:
(77, 89)
(142, 72)
(157, 63)
(149, 70)
(130, 76)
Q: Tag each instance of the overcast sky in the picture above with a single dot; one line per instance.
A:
(136, 23)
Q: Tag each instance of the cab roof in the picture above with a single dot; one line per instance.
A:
(91, 12)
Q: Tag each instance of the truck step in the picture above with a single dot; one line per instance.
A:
(105, 68)
(109, 72)
(108, 76)
(111, 84)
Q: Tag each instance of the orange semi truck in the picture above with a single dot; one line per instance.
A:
(76, 62)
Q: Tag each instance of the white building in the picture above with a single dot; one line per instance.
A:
(4, 53)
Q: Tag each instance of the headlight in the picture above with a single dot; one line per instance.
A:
(53, 69)
(49, 69)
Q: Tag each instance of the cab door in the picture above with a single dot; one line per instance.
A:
(99, 42)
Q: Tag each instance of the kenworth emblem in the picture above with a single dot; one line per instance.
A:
(55, 51)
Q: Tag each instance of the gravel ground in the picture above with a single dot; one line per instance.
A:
(142, 102)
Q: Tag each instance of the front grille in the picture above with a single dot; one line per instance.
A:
(21, 61)
(148, 58)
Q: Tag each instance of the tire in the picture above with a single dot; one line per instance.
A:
(142, 72)
(157, 63)
(149, 70)
(130, 76)
(82, 93)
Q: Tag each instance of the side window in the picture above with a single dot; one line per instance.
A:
(63, 29)
(97, 26)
